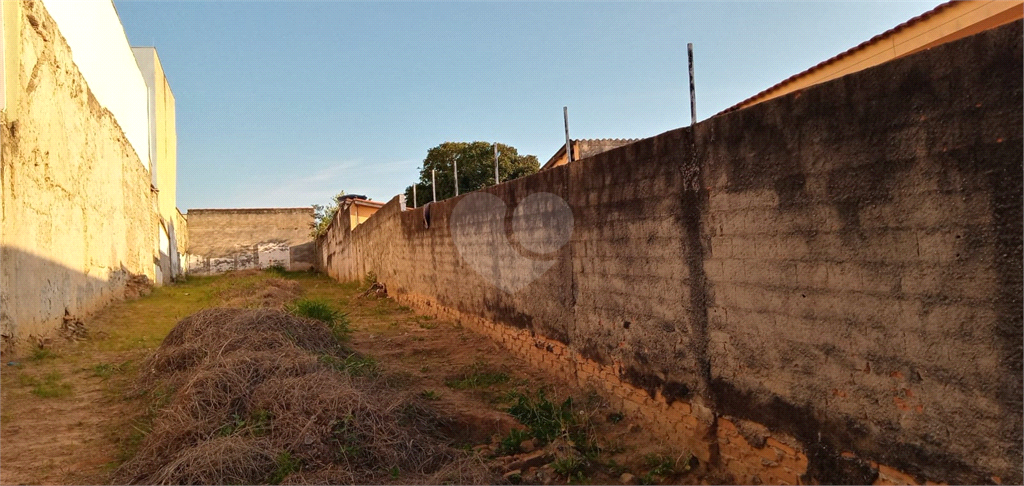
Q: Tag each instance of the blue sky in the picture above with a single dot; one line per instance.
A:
(284, 104)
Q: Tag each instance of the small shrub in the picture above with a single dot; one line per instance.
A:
(276, 269)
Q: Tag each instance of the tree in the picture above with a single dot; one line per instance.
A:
(476, 168)
(323, 215)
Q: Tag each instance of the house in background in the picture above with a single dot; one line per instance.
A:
(945, 23)
(357, 208)
(163, 150)
(583, 148)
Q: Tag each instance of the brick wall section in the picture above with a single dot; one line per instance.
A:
(821, 288)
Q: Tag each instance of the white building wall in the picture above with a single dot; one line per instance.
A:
(101, 51)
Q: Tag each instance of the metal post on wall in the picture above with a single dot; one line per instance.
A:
(568, 145)
(693, 96)
(433, 183)
(414, 196)
(455, 165)
(496, 179)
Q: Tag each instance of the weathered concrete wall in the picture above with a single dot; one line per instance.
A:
(221, 240)
(163, 155)
(77, 212)
(100, 50)
(824, 288)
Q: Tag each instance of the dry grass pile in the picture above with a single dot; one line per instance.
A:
(268, 292)
(259, 396)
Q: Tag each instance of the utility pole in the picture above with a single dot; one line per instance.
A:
(693, 95)
(455, 164)
(433, 183)
(496, 180)
(568, 145)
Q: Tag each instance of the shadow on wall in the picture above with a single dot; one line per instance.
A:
(38, 295)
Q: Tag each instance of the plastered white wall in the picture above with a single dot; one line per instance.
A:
(101, 51)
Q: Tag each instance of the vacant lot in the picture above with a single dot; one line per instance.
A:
(77, 411)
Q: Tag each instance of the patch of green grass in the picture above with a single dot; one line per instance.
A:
(547, 420)
(286, 464)
(323, 311)
(318, 309)
(353, 364)
(394, 472)
(369, 279)
(430, 395)
(50, 386)
(107, 370)
(428, 325)
(478, 376)
(41, 354)
(512, 443)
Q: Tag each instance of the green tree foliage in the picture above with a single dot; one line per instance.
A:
(476, 168)
(323, 215)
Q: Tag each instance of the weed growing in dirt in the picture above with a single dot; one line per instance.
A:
(40, 354)
(663, 466)
(512, 443)
(106, 370)
(478, 376)
(430, 395)
(50, 386)
(570, 467)
(286, 464)
(546, 419)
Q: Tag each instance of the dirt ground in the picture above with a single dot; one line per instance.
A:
(68, 418)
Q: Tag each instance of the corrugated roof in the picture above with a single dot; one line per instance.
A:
(858, 47)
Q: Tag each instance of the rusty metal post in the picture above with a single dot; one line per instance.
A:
(568, 144)
(433, 183)
(496, 179)
(693, 95)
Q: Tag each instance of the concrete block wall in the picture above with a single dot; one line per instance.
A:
(221, 240)
(78, 217)
(821, 288)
